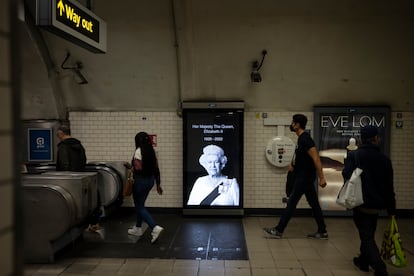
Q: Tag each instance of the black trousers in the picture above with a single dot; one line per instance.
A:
(302, 187)
(367, 225)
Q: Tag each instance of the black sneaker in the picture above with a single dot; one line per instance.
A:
(318, 236)
(362, 266)
(272, 231)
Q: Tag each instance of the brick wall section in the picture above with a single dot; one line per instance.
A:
(109, 136)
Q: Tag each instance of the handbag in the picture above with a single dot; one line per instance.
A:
(136, 164)
(350, 195)
(391, 249)
(129, 183)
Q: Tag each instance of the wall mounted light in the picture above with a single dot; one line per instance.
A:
(255, 74)
(76, 69)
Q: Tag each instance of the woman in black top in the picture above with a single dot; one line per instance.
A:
(146, 172)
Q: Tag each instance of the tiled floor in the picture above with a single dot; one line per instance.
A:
(293, 255)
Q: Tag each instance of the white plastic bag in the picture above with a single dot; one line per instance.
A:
(350, 195)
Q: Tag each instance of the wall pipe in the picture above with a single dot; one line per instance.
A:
(177, 58)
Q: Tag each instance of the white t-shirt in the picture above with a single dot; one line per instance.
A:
(137, 154)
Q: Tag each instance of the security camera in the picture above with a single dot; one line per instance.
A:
(255, 76)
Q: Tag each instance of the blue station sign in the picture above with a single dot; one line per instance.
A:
(40, 144)
(73, 22)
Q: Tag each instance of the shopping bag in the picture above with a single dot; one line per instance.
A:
(350, 195)
(129, 183)
(391, 248)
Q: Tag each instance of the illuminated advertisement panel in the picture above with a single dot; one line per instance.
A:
(333, 129)
(213, 158)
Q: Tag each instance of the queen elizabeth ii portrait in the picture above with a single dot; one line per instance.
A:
(214, 188)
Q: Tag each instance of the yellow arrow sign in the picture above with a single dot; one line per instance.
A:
(61, 7)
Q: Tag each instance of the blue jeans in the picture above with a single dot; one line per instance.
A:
(142, 187)
(367, 224)
(302, 187)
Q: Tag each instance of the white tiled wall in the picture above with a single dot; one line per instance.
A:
(402, 156)
(109, 136)
(264, 183)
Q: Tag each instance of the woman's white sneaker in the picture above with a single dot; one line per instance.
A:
(136, 231)
(156, 231)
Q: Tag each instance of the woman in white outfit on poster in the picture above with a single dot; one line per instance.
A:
(214, 188)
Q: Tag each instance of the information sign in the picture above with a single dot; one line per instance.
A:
(72, 21)
(40, 144)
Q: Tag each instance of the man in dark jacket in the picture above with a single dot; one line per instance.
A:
(378, 194)
(71, 157)
(71, 154)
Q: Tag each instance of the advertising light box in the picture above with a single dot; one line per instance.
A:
(333, 128)
(213, 158)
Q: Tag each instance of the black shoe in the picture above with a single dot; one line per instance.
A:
(319, 236)
(362, 266)
(272, 231)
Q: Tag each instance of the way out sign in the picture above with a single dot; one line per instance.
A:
(73, 22)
